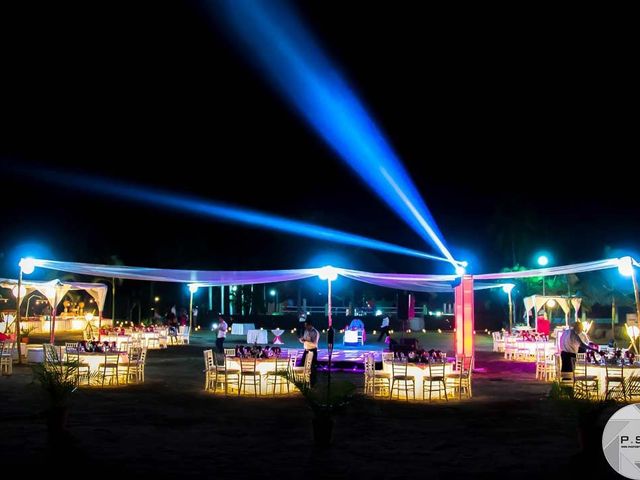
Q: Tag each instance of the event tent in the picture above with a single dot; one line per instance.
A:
(537, 302)
(55, 290)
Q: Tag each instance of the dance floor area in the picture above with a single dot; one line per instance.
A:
(346, 359)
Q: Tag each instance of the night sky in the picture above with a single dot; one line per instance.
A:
(513, 125)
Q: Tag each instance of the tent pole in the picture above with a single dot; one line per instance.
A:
(635, 292)
(18, 299)
(613, 318)
(113, 300)
(329, 298)
(52, 333)
(190, 309)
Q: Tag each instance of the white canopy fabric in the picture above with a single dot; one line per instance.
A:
(537, 302)
(203, 278)
(212, 277)
(55, 290)
(560, 270)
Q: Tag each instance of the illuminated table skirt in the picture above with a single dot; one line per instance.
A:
(93, 360)
(263, 366)
(601, 372)
(35, 354)
(351, 337)
(257, 336)
(242, 328)
(416, 324)
(42, 324)
(152, 340)
(119, 339)
(418, 371)
(521, 328)
(529, 348)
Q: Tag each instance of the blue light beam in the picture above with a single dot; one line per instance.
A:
(292, 60)
(217, 210)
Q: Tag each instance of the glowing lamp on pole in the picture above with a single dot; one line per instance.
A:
(27, 266)
(329, 274)
(543, 261)
(506, 288)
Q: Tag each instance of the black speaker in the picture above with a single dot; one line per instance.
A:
(403, 306)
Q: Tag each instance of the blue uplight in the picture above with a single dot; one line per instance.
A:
(217, 210)
(295, 64)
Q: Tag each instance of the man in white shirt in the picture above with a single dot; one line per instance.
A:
(384, 328)
(570, 344)
(222, 334)
(310, 340)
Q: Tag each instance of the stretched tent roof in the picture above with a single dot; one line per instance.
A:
(55, 290)
(417, 283)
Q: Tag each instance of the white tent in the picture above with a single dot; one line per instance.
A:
(55, 290)
(537, 302)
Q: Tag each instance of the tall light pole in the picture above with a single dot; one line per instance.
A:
(329, 274)
(27, 266)
(543, 261)
(113, 301)
(274, 293)
(507, 289)
(192, 289)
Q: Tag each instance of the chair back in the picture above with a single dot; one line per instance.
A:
(50, 353)
(111, 359)
(248, 365)
(230, 352)
(436, 369)
(369, 365)
(387, 357)
(541, 353)
(143, 356)
(580, 365)
(292, 360)
(6, 348)
(614, 371)
(281, 364)
(399, 368)
(463, 364)
(208, 360)
(135, 354)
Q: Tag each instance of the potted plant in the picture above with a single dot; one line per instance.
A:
(58, 382)
(324, 401)
(25, 332)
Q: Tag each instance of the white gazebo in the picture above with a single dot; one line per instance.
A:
(54, 291)
(537, 302)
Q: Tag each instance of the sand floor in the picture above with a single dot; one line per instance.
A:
(170, 427)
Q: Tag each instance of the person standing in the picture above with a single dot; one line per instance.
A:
(194, 316)
(384, 328)
(222, 334)
(571, 343)
(310, 340)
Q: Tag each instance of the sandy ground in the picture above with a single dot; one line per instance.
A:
(169, 427)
